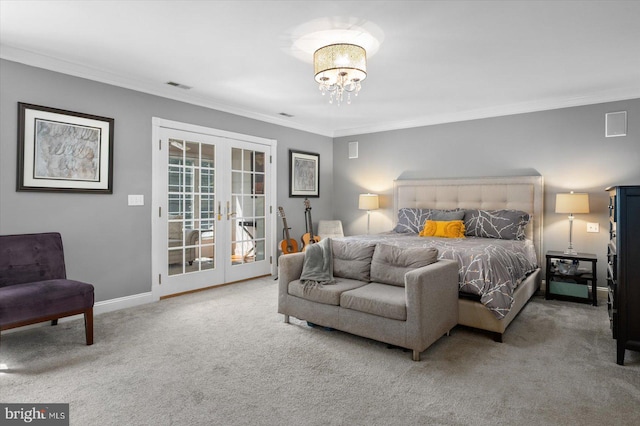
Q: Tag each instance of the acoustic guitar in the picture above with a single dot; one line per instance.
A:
(308, 238)
(288, 245)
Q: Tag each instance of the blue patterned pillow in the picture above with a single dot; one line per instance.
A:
(502, 224)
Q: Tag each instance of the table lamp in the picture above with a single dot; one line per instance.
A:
(572, 203)
(368, 202)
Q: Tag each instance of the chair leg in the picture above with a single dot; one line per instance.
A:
(88, 325)
(54, 322)
(416, 356)
(286, 319)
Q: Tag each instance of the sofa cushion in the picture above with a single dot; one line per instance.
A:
(328, 294)
(22, 302)
(390, 263)
(383, 300)
(352, 260)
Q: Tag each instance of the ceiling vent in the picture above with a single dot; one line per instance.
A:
(178, 85)
(284, 114)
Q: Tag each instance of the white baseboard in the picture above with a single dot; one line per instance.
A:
(123, 302)
(99, 308)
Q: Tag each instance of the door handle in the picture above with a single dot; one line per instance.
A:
(219, 210)
(229, 214)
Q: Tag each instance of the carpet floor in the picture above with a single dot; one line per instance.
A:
(225, 357)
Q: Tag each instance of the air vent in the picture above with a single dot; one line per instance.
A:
(178, 85)
(284, 114)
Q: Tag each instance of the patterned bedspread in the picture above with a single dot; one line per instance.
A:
(490, 268)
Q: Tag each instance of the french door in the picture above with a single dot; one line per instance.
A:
(213, 221)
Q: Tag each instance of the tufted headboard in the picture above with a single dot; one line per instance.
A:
(489, 193)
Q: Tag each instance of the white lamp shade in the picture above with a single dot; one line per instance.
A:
(572, 203)
(330, 62)
(368, 202)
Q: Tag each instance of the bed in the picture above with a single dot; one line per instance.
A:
(498, 275)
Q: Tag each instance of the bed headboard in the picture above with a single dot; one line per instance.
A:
(489, 193)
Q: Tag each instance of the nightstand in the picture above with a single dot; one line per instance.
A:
(565, 280)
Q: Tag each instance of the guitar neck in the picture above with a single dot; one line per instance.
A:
(310, 224)
(286, 229)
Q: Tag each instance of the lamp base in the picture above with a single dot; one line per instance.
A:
(571, 251)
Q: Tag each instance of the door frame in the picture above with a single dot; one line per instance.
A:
(157, 193)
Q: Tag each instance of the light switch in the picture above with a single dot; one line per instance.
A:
(593, 227)
(136, 200)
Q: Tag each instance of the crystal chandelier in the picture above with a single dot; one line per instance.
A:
(340, 68)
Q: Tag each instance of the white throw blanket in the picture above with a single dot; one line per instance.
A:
(317, 268)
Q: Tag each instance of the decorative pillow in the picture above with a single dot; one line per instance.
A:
(446, 229)
(411, 220)
(446, 215)
(503, 224)
(352, 260)
(390, 263)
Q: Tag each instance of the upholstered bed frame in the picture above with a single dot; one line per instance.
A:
(513, 192)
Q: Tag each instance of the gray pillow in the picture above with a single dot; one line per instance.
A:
(352, 260)
(502, 224)
(411, 220)
(446, 215)
(390, 263)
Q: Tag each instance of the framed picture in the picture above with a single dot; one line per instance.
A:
(304, 177)
(64, 151)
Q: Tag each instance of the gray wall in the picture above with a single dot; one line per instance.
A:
(106, 242)
(566, 146)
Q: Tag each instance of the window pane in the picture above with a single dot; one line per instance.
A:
(248, 161)
(236, 159)
(259, 162)
(259, 206)
(236, 182)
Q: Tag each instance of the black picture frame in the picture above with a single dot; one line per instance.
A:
(304, 174)
(64, 151)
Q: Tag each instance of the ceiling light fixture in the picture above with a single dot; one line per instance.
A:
(340, 68)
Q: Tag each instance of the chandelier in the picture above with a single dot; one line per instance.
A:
(340, 68)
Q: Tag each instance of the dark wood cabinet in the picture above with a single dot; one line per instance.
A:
(623, 268)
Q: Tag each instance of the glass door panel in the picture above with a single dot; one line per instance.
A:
(190, 206)
(214, 219)
(248, 199)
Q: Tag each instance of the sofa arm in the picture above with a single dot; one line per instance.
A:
(432, 301)
(289, 269)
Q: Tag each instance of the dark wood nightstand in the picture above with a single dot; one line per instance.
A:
(573, 284)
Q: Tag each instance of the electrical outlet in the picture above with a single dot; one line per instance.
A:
(593, 227)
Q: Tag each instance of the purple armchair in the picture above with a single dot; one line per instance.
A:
(34, 285)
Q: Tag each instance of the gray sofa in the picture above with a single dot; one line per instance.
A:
(403, 297)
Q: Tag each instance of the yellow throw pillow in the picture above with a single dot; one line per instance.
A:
(446, 229)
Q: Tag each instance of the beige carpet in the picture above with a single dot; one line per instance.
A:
(225, 357)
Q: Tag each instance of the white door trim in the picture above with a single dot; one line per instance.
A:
(157, 192)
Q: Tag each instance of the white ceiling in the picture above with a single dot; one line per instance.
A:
(438, 61)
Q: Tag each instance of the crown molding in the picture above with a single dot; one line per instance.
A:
(90, 73)
(498, 111)
(66, 67)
